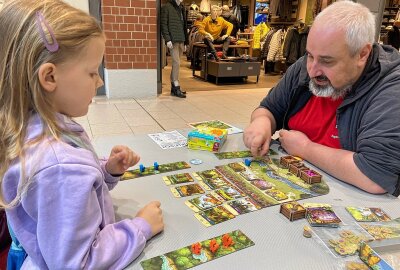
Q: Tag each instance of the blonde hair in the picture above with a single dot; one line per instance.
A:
(22, 52)
(354, 19)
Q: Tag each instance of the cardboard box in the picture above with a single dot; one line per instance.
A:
(286, 160)
(206, 138)
(381, 254)
(297, 167)
(310, 176)
(293, 210)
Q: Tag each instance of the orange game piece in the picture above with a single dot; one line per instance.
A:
(214, 246)
(196, 248)
(227, 241)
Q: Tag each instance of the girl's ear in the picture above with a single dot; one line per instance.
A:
(47, 77)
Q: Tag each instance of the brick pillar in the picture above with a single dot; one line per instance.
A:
(130, 27)
(131, 47)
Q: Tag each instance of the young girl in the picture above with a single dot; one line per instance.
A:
(54, 188)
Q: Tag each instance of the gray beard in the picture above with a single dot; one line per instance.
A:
(328, 90)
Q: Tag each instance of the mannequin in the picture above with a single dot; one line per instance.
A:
(173, 30)
(212, 28)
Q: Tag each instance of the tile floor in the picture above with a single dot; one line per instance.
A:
(142, 116)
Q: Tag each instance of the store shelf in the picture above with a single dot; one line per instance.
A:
(281, 23)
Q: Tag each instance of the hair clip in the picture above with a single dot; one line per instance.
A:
(51, 44)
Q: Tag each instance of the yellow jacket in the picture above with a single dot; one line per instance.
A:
(215, 28)
(261, 30)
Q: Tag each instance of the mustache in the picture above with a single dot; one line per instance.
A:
(321, 78)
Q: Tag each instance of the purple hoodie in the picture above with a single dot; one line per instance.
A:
(66, 218)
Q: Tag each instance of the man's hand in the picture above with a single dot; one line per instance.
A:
(170, 45)
(294, 142)
(210, 36)
(257, 137)
(121, 158)
(224, 37)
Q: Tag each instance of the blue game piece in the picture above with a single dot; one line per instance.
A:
(141, 168)
(247, 162)
(156, 165)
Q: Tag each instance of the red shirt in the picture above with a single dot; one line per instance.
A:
(317, 119)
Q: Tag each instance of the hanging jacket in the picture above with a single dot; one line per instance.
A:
(229, 17)
(173, 22)
(394, 37)
(275, 47)
(194, 36)
(291, 46)
(259, 33)
(265, 48)
(303, 41)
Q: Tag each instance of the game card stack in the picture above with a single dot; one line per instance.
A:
(322, 216)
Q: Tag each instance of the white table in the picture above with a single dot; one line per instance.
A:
(279, 243)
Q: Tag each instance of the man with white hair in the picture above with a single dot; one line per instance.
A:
(338, 106)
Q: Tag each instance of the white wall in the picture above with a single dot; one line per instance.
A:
(81, 4)
(1, 3)
(130, 83)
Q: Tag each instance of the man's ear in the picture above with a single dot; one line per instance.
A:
(364, 54)
(47, 77)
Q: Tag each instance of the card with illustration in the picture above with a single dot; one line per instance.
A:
(211, 179)
(179, 178)
(362, 213)
(204, 202)
(208, 174)
(214, 216)
(312, 205)
(229, 193)
(217, 124)
(367, 214)
(382, 230)
(322, 216)
(233, 154)
(187, 190)
(239, 154)
(200, 252)
(380, 214)
(215, 183)
(150, 170)
(243, 206)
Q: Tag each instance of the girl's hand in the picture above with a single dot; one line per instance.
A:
(152, 213)
(121, 158)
